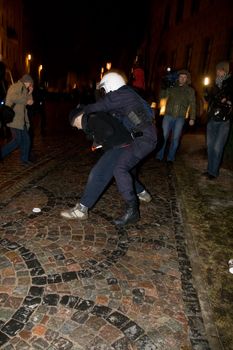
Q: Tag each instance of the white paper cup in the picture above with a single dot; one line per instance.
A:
(36, 210)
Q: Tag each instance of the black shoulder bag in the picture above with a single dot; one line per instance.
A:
(7, 114)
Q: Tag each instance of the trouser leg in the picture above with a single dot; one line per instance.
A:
(217, 134)
(175, 140)
(12, 145)
(166, 126)
(99, 177)
(25, 143)
(128, 160)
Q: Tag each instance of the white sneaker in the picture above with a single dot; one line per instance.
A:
(78, 212)
(144, 196)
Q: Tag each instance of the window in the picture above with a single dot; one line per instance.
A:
(230, 49)
(205, 58)
(188, 56)
(173, 58)
(179, 11)
(166, 21)
(162, 60)
(195, 6)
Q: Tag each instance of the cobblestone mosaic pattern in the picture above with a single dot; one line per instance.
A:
(89, 285)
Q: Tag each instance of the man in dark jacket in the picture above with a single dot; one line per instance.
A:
(110, 135)
(220, 113)
(132, 112)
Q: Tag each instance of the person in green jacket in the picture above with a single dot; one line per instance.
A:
(181, 102)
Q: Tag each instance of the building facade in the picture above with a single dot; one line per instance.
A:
(189, 34)
(11, 36)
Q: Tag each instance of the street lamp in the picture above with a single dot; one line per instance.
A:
(39, 72)
(206, 81)
(28, 59)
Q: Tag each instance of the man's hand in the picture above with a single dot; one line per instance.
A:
(30, 102)
(30, 89)
(191, 122)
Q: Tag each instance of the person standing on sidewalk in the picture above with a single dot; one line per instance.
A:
(180, 102)
(219, 114)
(128, 108)
(19, 95)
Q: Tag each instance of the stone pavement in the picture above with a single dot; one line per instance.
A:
(88, 284)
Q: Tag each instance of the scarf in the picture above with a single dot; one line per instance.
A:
(219, 80)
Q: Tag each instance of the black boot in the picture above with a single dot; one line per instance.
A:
(130, 216)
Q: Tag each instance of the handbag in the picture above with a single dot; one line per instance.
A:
(7, 114)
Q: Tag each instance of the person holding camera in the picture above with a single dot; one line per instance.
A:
(219, 114)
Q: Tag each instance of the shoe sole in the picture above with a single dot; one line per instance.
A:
(73, 217)
(145, 200)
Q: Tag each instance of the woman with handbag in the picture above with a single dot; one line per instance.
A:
(19, 95)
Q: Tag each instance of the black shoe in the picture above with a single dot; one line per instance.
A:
(208, 176)
(131, 215)
(211, 177)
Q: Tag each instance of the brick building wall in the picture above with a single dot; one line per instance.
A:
(11, 32)
(192, 34)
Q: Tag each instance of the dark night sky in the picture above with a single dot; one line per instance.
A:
(80, 35)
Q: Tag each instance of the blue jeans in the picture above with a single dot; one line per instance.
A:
(217, 134)
(175, 126)
(101, 175)
(20, 139)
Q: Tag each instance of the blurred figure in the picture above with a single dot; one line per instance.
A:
(219, 113)
(39, 96)
(19, 95)
(4, 131)
(3, 85)
(138, 77)
(180, 101)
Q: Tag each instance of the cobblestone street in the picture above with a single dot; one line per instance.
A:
(88, 284)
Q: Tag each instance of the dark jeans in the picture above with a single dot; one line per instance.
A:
(20, 139)
(217, 134)
(100, 176)
(137, 151)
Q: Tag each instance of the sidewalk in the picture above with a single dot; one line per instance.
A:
(89, 285)
(207, 209)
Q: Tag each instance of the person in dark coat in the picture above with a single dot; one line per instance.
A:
(133, 113)
(113, 138)
(220, 115)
